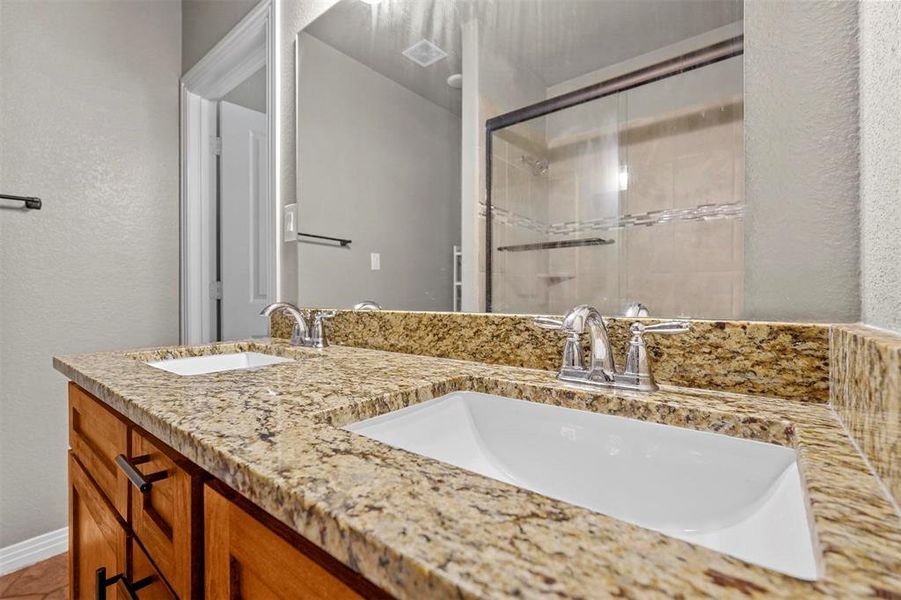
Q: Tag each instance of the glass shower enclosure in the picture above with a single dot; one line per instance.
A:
(627, 191)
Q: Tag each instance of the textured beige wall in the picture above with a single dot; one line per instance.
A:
(880, 163)
(205, 22)
(88, 122)
(801, 142)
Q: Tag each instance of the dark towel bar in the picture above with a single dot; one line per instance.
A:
(341, 241)
(553, 245)
(30, 201)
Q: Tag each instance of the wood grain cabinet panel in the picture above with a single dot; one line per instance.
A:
(142, 572)
(166, 518)
(248, 560)
(97, 539)
(97, 435)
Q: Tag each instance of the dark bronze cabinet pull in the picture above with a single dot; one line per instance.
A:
(101, 583)
(144, 483)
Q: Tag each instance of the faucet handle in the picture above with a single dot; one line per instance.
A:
(547, 322)
(666, 327)
(638, 361)
(572, 350)
(318, 338)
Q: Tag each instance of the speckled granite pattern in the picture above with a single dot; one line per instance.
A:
(423, 529)
(866, 393)
(785, 360)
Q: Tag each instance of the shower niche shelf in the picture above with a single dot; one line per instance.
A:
(555, 245)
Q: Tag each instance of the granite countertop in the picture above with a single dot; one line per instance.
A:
(423, 529)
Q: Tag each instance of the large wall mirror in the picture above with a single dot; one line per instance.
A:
(523, 156)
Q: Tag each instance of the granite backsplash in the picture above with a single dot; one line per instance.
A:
(866, 394)
(785, 360)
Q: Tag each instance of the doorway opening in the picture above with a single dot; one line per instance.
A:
(229, 216)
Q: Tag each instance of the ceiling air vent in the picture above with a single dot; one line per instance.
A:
(424, 53)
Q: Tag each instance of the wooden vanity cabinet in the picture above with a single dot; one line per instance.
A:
(134, 508)
(97, 539)
(250, 555)
(158, 523)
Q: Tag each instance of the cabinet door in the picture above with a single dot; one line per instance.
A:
(96, 537)
(97, 436)
(165, 517)
(145, 578)
(247, 560)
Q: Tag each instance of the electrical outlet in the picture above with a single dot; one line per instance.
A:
(375, 261)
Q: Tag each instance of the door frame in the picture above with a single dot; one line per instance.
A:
(251, 44)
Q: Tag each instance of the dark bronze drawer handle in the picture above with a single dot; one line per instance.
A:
(101, 583)
(142, 482)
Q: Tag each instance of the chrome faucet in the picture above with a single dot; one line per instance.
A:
(601, 370)
(367, 305)
(308, 329)
(301, 331)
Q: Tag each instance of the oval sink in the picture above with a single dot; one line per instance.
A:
(736, 496)
(214, 363)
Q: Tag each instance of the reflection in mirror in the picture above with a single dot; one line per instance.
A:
(619, 199)
(228, 260)
(245, 252)
(379, 155)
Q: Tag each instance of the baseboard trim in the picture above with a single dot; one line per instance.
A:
(34, 550)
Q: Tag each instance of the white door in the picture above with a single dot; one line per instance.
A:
(246, 242)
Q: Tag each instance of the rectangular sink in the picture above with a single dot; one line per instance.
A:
(213, 363)
(740, 497)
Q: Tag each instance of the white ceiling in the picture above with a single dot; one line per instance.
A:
(555, 39)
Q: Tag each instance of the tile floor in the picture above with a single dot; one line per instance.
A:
(46, 580)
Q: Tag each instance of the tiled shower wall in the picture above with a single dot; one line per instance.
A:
(667, 191)
(687, 266)
(519, 193)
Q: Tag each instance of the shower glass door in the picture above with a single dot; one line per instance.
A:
(634, 197)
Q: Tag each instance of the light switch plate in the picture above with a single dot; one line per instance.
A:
(289, 222)
(375, 261)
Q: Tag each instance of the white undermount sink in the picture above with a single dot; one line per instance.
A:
(740, 497)
(213, 363)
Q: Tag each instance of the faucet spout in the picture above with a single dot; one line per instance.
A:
(585, 317)
(300, 334)
(288, 308)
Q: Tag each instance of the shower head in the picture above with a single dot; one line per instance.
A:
(539, 166)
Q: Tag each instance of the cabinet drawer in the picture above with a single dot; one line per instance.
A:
(97, 436)
(165, 517)
(142, 573)
(96, 537)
